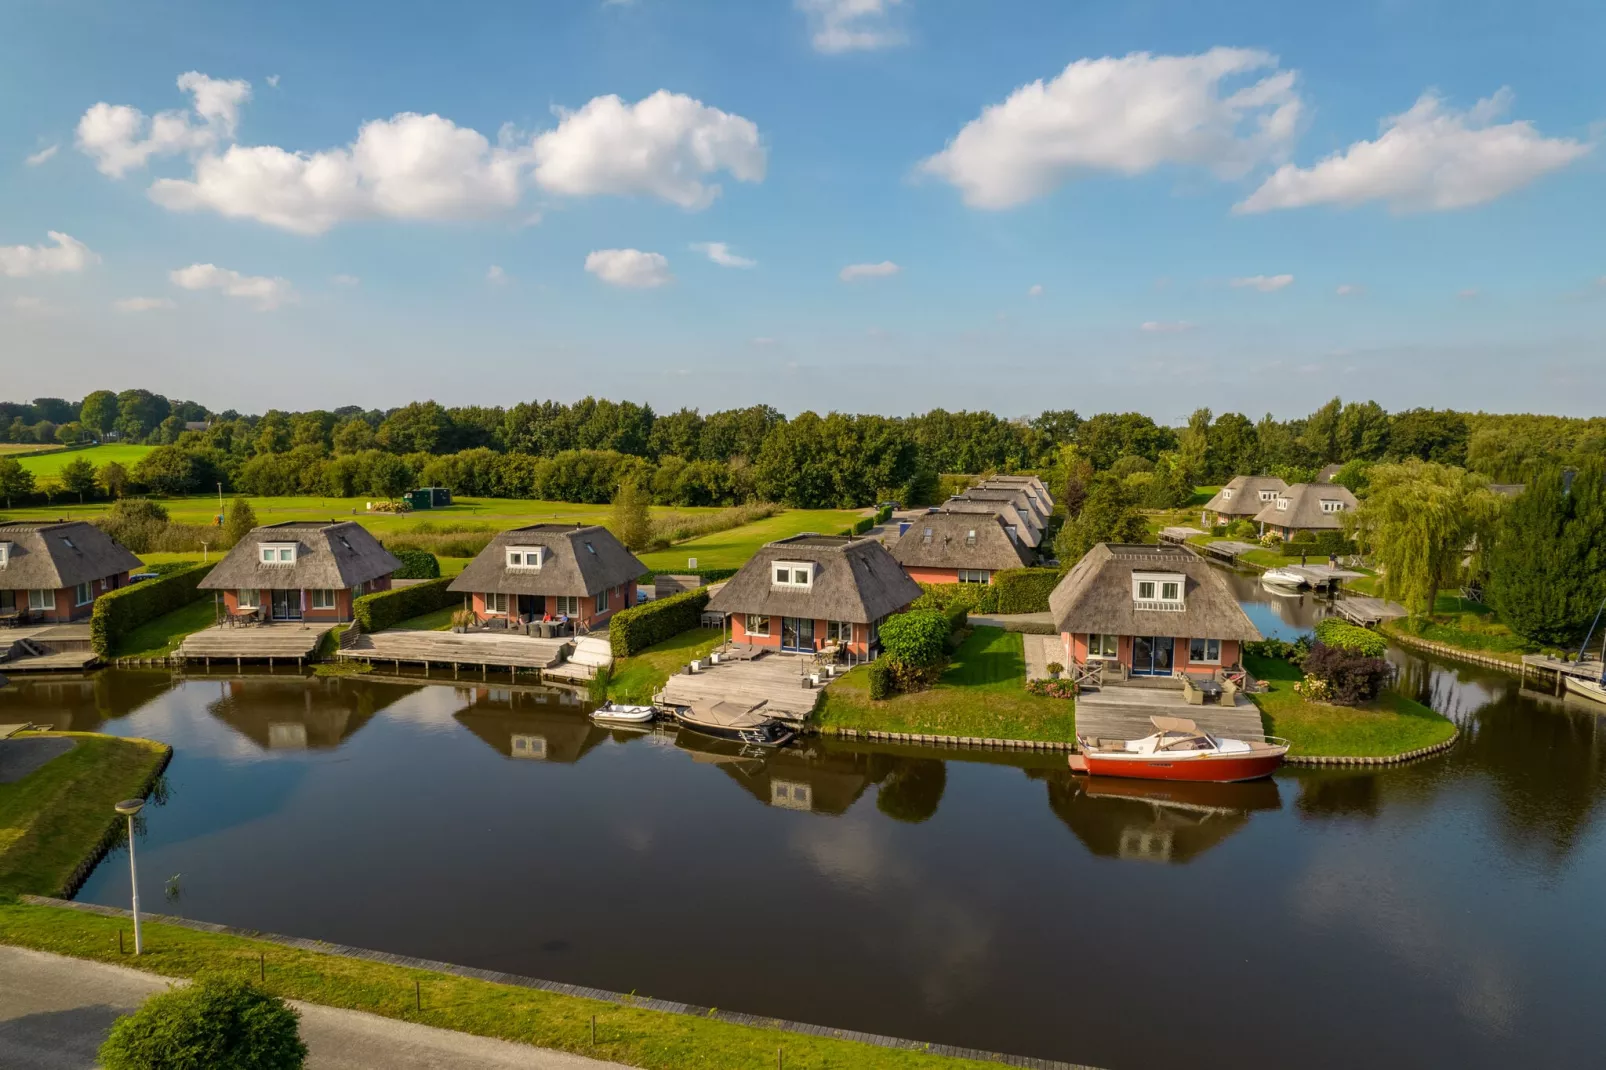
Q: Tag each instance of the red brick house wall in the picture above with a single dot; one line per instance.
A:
(64, 611)
(860, 646)
(1076, 646)
(339, 614)
(594, 609)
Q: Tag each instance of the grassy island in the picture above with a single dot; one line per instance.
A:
(982, 693)
(1391, 725)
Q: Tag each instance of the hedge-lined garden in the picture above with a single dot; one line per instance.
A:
(416, 565)
(632, 630)
(386, 609)
(1025, 590)
(119, 612)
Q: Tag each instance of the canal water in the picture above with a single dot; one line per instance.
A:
(1445, 913)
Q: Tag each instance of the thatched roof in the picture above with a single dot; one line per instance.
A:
(1241, 495)
(50, 555)
(1328, 472)
(853, 580)
(1096, 596)
(960, 540)
(1014, 498)
(576, 560)
(328, 556)
(1304, 507)
(1038, 508)
(1005, 510)
(1037, 486)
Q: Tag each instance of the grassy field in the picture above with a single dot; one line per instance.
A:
(160, 637)
(638, 678)
(51, 819)
(731, 549)
(624, 1034)
(17, 449)
(1460, 622)
(983, 693)
(1392, 725)
(50, 464)
(438, 621)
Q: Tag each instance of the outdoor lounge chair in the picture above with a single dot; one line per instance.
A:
(1192, 692)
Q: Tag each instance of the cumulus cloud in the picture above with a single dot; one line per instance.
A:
(629, 267)
(851, 25)
(1431, 158)
(67, 254)
(1163, 327)
(143, 304)
(721, 254)
(1264, 283)
(346, 280)
(1035, 290)
(426, 167)
(273, 80)
(266, 292)
(1348, 289)
(42, 155)
(1225, 110)
(868, 271)
(495, 275)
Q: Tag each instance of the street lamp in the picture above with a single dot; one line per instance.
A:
(128, 808)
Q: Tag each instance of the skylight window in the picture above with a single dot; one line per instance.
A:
(590, 549)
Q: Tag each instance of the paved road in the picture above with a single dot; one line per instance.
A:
(55, 1011)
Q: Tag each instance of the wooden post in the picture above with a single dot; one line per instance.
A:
(262, 965)
(418, 996)
(593, 1030)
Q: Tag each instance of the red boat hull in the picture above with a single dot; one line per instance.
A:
(1226, 769)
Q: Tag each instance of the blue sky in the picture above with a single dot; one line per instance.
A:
(1251, 206)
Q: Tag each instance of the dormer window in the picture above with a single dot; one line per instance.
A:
(1330, 505)
(970, 537)
(1267, 495)
(925, 536)
(1158, 590)
(5, 554)
(1282, 505)
(525, 556)
(797, 575)
(1226, 494)
(277, 553)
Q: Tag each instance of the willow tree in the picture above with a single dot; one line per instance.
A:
(1424, 522)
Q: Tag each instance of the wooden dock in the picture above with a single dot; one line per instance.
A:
(481, 650)
(297, 642)
(778, 680)
(1118, 711)
(1366, 611)
(1178, 534)
(1228, 550)
(47, 648)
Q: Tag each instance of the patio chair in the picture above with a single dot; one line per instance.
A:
(1192, 692)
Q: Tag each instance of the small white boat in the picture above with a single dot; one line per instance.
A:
(615, 713)
(1283, 577)
(1595, 689)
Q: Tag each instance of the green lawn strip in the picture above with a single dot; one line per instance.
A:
(438, 621)
(50, 464)
(160, 637)
(982, 694)
(732, 548)
(638, 678)
(1392, 725)
(53, 818)
(1464, 632)
(625, 1034)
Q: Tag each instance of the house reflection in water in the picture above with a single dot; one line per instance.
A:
(81, 703)
(814, 777)
(534, 723)
(299, 712)
(1153, 821)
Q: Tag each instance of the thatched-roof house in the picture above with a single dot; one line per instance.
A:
(1033, 487)
(1025, 498)
(1156, 610)
(1243, 497)
(52, 571)
(1015, 499)
(1328, 472)
(552, 571)
(1307, 507)
(302, 570)
(1028, 533)
(811, 591)
(959, 548)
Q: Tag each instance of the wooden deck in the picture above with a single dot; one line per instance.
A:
(296, 642)
(1117, 712)
(1179, 534)
(1230, 550)
(1367, 611)
(63, 661)
(774, 679)
(482, 650)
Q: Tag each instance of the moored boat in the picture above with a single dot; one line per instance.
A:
(615, 713)
(1178, 750)
(1587, 688)
(739, 721)
(1282, 577)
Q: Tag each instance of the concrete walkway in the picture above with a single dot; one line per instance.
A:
(56, 1011)
(1040, 650)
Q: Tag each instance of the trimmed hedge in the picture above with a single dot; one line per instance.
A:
(883, 682)
(416, 565)
(1025, 590)
(957, 615)
(220, 1023)
(632, 630)
(1321, 544)
(386, 609)
(915, 638)
(121, 611)
(1342, 635)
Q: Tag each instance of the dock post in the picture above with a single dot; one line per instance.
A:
(237, 667)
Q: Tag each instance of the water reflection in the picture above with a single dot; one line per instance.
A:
(1152, 821)
(814, 777)
(298, 713)
(537, 724)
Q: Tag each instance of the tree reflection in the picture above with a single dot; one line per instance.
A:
(912, 790)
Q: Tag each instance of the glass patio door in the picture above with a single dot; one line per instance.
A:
(1152, 655)
(797, 633)
(286, 605)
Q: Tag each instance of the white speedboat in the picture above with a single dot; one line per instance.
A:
(615, 713)
(1282, 577)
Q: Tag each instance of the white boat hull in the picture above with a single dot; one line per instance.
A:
(1282, 578)
(1592, 689)
(611, 714)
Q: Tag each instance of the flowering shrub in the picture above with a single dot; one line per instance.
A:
(1051, 688)
(1271, 539)
(1351, 678)
(1313, 688)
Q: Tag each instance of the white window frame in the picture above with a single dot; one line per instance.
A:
(568, 605)
(40, 600)
(320, 594)
(1170, 591)
(758, 633)
(5, 554)
(247, 599)
(805, 569)
(1206, 659)
(1103, 646)
(277, 553)
(1267, 495)
(521, 557)
(973, 575)
(83, 594)
(1282, 505)
(1146, 590)
(495, 603)
(839, 631)
(1332, 505)
(1226, 494)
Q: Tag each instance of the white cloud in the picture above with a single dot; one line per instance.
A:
(37, 306)
(851, 25)
(629, 267)
(721, 254)
(1162, 327)
(1349, 289)
(346, 280)
(272, 80)
(120, 138)
(143, 304)
(1470, 293)
(662, 146)
(1125, 115)
(869, 271)
(266, 292)
(66, 255)
(1264, 283)
(42, 155)
(1035, 290)
(495, 275)
(1431, 158)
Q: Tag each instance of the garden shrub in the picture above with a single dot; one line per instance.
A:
(636, 628)
(1350, 637)
(1241, 529)
(916, 638)
(1051, 688)
(1271, 539)
(119, 612)
(975, 597)
(1279, 650)
(1351, 678)
(386, 609)
(1318, 544)
(882, 682)
(911, 678)
(213, 1024)
(957, 616)
(1025, 590)
(416, 565)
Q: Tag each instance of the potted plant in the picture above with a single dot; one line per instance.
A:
(462, 620)
(1054, 669)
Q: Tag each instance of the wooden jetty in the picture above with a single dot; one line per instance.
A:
(1366, 611)
(1179, 534)
(1551, 671)
(1122, 711)
(1229, 550)
(480, 650)
(48, 648)
(779, 680)
(1320, 576)
(272, 643)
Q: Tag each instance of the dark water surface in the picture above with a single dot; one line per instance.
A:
(1447, 913)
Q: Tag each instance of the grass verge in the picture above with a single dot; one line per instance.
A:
(1392, 725)
(638, 678)
(437, 621)
(160, 637)
(624, 1034)
(53, 818)
(732, 548)
(983, 694)
(1467, 625)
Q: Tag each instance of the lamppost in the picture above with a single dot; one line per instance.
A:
(128, 808)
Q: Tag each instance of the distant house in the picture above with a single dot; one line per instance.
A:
(959, 548)
(1153, 610)
(1027, 532)
(1030, 484)
(1306, 507)
(1328, 472)
(811, 591)
(548, 571)
(1242, 498)
(1015, 499)
(1025, 496)
(197, 425)
(52, 571)
(302, 570)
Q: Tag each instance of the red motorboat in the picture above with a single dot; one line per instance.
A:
(1178, 750)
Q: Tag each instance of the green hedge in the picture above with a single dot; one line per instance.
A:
(121, 611)
(917, 637)
(1025, 590)
(707, 575)
(416, 565)
(1342, 635)
(883, 682)
(958, 615)
(386, 609)
(632, 630)
(1321, 544)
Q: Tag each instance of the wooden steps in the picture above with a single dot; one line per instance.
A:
(275, 642)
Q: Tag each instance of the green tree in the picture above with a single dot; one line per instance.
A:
(1547, 567)
(112, 478)
(214, 1024)
(1419, 519)
(1108, 515)
(99, 411)
(56, 410)
(139, 412)
(71, 433)
(15, 480)
(78, 476)
(169, 470)
(1429, 434)
(631, 522)
(1234, 448)
(421, 427)
(353, 435)
(238, 521)
(389, 477)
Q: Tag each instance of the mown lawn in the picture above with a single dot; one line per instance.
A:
(639, 677)
(160, 637)
(52, 818)
(1469, 625)
(624, 1034)
(983, 693)
(731, 549)
(1392, 725)
(438, 621)
(50, 464)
